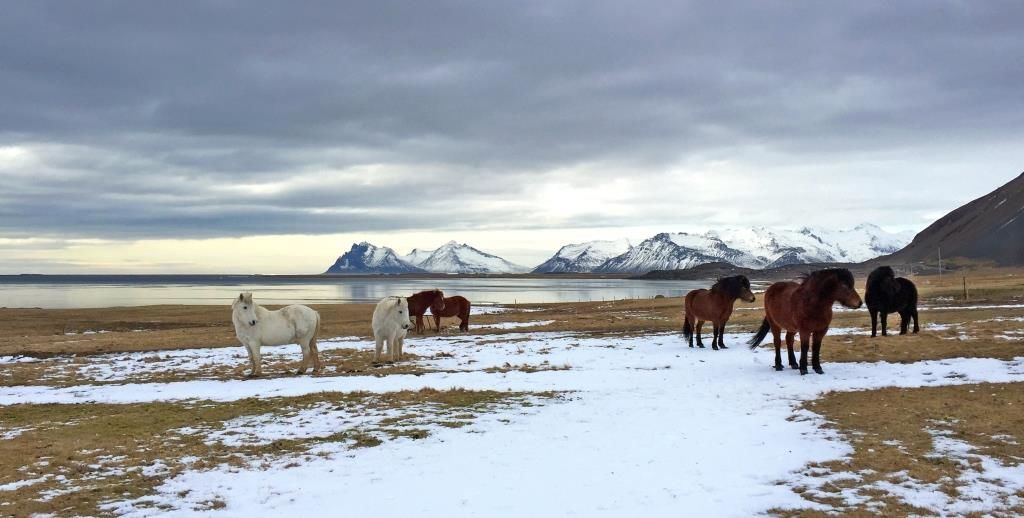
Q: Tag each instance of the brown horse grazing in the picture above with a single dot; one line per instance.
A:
(714, 305)
(805, 307)
(418, 304)
(453, 307)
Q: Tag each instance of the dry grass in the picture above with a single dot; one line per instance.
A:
(891, 431)
(91, 454)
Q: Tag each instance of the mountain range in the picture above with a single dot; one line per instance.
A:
(755, 247)
(452, 257)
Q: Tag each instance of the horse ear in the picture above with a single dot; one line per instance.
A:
(398, 301)
(241, 297)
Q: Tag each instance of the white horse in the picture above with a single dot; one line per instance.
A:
(256, 327)
(390, 324)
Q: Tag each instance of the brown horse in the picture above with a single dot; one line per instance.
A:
(714, 305)
(453, 307)
(805, 307)
(418, 304)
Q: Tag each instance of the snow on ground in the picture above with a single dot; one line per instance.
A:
(650, 424)
(514, 325)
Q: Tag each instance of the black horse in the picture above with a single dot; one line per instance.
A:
(886, 294)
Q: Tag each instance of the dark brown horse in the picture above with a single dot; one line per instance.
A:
(805, 308)
(886, 293)
(453, 307)
(714, 305)
(418, 304)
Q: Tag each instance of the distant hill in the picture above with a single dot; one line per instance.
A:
(990, 228)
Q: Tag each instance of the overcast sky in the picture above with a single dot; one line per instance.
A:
(268, 136)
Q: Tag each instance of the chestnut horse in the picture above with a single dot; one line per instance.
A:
(886, 293)
(805, 307)
(453, 307)
(714, 305)
(419, 303)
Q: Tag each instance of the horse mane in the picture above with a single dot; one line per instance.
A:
(731, 286)
(842, 275)
(880, 274)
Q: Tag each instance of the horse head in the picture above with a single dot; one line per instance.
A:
(244, 309)
(437, 302)
(844, 292)
(737, 287)
(835, 284)
(883, 279)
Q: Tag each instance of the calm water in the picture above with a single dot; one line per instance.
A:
(139, 290)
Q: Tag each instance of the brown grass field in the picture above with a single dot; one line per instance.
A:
(100, 447)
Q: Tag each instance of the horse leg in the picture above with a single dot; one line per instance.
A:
(721, 334)
(714, 336)
(874, 322)
(816, 361)
(885, 318)
(315, 351)
(464, 324)
(254, 359)
(789, 344)
(777, 337)
(805, 343)
(419, 324)
(376, 352)
(437, 324)
(914, 314)
(700, 324)
(396, 349)
(904, 322)
(305, 358)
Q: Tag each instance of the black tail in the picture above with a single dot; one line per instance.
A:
(761, 333)
(687, 328)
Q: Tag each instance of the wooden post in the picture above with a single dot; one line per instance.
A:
(966, 295)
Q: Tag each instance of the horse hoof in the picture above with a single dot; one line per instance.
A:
(300, 372)
(818, 370)
(700, 345)
(778, 367)
(722, 346)
(714, 347)
(803, 372)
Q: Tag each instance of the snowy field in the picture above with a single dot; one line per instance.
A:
(643, 423)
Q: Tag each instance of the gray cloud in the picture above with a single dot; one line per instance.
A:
(162, 120)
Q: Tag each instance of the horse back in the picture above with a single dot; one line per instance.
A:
(908, 293)
(453, 306)
(703, 305)
(779, 304)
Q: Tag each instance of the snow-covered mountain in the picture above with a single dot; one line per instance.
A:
(462, 258)
(583, 257)
(757, 247)
(417, 256)
(367, 258)
(676, 252)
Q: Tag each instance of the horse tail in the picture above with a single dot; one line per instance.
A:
(687, 328)
(761, 333)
